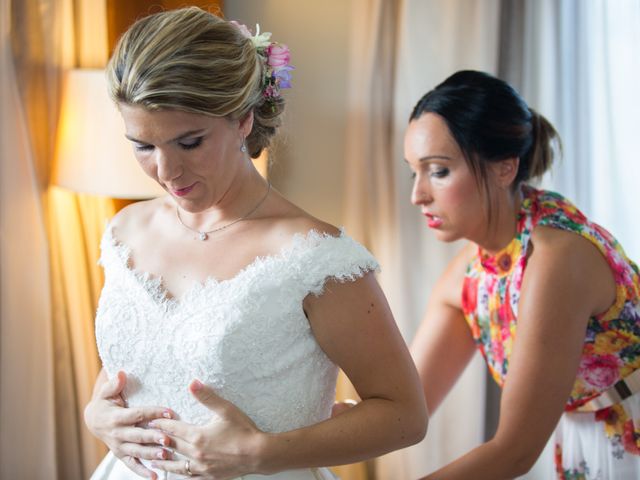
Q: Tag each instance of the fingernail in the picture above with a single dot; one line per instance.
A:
(166, 414)
(196, 385)
(152, 424)
(160, 454)
(161, 440)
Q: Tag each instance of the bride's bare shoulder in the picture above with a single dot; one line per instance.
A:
(290, 220)
(138, 216)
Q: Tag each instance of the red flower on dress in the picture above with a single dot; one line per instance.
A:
(470, 295)
(631, 438)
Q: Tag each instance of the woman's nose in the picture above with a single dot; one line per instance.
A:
(420, 193)
(168, 167)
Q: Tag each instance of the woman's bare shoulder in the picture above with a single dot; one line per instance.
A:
(137, 216)
(289, 219)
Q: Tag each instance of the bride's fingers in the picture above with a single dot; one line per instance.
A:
(181, 467)
(113, 387)
(183, 447)
(137, 467)
(145, 452)
(144, 436)
(141, 415)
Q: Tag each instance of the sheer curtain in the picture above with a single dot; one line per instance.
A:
(27, 416)
(48, 272)
(401, 49)
(579, 66)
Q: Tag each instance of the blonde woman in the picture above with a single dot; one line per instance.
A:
(226, 309)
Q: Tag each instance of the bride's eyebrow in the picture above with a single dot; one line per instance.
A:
(179, 137)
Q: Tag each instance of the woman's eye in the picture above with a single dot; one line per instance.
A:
(142, 148)
(439, 172)
(191, 144)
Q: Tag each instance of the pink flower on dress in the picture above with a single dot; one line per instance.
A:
(601, 371)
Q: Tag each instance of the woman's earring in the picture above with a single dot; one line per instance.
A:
(243, 148)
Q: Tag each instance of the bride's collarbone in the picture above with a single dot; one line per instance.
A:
(181, 265)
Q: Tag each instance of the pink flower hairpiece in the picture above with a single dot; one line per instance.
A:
(276, 57)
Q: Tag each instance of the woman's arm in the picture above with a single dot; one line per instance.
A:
(443, 345)
(353, 324)
(567, 280)
(117, 426)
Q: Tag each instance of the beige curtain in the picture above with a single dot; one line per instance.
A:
(49, 278)
(76, 223)
(401, 49)
(27, 408)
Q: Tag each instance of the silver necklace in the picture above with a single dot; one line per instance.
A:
(203, 235)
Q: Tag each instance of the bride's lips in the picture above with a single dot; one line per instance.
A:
(433, 221)
(181, 192)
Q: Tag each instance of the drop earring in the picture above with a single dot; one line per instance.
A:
(243, 147)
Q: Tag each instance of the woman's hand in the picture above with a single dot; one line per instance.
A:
(226, 447)
(120, 428)
(343, 406)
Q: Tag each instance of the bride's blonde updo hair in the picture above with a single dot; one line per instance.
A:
(191, 60)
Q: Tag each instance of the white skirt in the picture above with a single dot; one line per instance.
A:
(588, 448)
(111, 468)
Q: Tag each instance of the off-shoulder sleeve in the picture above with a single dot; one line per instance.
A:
(323, 257)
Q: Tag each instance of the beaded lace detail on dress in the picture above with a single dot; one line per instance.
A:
(247, 337)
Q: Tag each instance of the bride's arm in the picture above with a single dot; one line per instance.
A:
(353, 324)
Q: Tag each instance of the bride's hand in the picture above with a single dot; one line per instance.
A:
(227, 447)
(119, 427)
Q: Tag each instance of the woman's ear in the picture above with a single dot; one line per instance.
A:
(505, 171)
(246, 124)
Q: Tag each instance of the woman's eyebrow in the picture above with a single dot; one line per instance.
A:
(431, 157)
(179, 137)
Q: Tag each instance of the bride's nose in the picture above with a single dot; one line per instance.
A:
(169, 167)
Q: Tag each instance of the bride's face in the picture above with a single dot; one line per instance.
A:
(193, 157)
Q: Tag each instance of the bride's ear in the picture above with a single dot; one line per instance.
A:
(246, 124)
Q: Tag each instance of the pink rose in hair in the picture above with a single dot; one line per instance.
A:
(278, 55)
(243, 28)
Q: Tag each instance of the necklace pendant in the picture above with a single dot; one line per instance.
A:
(203, 236)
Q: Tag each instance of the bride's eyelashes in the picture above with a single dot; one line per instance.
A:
(191, 143)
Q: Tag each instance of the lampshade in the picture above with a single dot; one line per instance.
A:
(92, 154)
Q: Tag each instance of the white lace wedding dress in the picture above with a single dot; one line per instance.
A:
(247, 337)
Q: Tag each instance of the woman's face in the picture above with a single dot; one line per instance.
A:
(193, 157)
(444, 187)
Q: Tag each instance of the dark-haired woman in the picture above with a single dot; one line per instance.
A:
(548, 297)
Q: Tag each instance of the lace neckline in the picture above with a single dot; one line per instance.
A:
(153, 284)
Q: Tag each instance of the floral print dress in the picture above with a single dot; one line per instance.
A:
(601, 445)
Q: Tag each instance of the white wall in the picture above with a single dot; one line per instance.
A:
(308, 157)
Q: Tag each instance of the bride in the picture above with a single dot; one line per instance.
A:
(226, 309)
